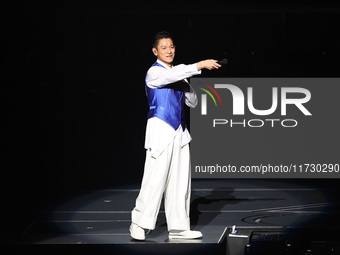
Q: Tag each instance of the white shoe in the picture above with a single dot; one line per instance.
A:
(187, 234)
(137, 232)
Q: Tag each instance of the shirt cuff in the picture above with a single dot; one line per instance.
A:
(193, 68)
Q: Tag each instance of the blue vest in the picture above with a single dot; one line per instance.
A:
(167, 104)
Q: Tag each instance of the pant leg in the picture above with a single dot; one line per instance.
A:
(153, 184)
(178, 189)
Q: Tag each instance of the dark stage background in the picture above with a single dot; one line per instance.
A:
(73, 105)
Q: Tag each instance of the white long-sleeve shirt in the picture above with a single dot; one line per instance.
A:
(159, 133)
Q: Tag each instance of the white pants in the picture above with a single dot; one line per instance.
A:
(169, 173)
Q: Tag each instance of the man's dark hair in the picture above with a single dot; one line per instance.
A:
(161, 35)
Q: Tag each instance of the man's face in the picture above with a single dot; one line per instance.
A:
(165, 51)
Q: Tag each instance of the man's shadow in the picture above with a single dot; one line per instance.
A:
(217, 199)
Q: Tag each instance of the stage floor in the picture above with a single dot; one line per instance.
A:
(103, 216)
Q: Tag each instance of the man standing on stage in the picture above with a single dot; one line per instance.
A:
(167, 165)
